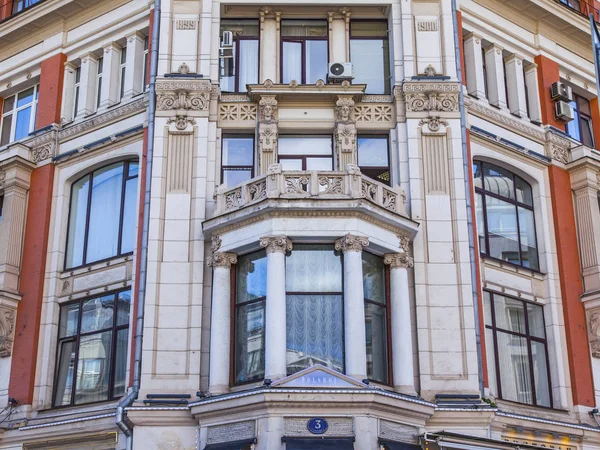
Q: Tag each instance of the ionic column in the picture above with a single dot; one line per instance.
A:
(402, 348)
(220, 322)
(275, 306)
(354, 305)
(474, 66)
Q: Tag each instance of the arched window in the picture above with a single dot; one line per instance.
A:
(505, 219)
(102, 214)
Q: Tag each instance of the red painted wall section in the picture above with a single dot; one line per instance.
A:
(571, 286)
(548, 73)
(51, 88)
(595, 107)
(5, 9)
(35, 247)
(459, 24)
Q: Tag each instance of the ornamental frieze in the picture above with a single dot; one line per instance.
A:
(192, 95)
(437, 97)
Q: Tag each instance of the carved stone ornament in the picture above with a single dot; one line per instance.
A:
(398, 260)
(351, 243)
(191, 95)
(276, 244)
(267, 109)
(184, 69)
(42, 153)
(181, 122)
(345, 139)
(7, 327)
(344, 107)
(433, 123)
(594, 333)
(443, 97)
(2, 178)
(430, 71)
(404, 242)
(215, 243)
(220, 259)
(267, 138)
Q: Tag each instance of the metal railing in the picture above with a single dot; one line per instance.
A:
(582, 7)
(311, 185)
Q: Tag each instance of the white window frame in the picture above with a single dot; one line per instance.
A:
(15, 111)
(144, 72)
(76, 88)
(99, 82)
(122, 70)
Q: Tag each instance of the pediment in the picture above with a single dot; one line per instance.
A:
(319, 377)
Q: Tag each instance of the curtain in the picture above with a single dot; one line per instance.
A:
(292, 62)
(248, 69)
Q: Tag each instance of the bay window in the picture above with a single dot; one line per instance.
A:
(91, 359)
(370, 55)
(237, 159)
(505, 215)
(18, 115)
(102, 214)
(304, 51)
(580, 128)
(517, 350)
(239, 65)
(373, 157)
(297, 152)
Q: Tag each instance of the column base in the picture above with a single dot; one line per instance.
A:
(406, 390)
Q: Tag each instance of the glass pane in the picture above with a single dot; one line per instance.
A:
(291, 164)
(304, 28)
(250, 342)
(524, 194)
(573, 125)
(100, 65)
(120, 363)
(510, 314)
(540, 373)
(319, 163)
(371, 29)
(8, 105)
(502, 230)
(587, 137)
(370, 61)
(123, 307)
(584, 105)
(93, 368)
(98, 92)
(316, 61)
(77, 216)
(238, 151)
(123, 55)
(477, 174)
(251, 277)
(133, 168)
(376, 332)
(515, 375)
(78, 75)
(64, 373)
(129, 215)
(227, 63)
(490, 354)
(97, 313)
(69, 319)
(373, 277)
(300, 145)
(535, 316)
(233, 177)
(498, 181)
(6, 126)
(292, 62)
(104, 213)
(25, 97)
(314, 332)
(240, 27)
(372, 151)
(487, 307)
(248, 63)
(23, 123)
(480, 223)
(529, 253)
(313, 268)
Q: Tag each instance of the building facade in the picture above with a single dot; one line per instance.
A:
(215, 233)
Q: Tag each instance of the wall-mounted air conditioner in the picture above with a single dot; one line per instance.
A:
(560, 91)
(563, 111)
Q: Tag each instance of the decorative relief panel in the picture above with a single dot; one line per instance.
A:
(268, 132)
(237, 115)
(594, 332)
(438, 97)
(345, 131)
(179, 161)
(7, 328)
(374, 115)
(191, 95)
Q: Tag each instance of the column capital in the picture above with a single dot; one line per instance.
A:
(221, 259)
(351, 243)
(276, 244)
(398, 260)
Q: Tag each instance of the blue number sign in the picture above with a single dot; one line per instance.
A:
(317, 425)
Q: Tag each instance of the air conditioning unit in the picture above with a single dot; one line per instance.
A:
(560, 91)
(563, 111)
(227, 39)
(339, 71)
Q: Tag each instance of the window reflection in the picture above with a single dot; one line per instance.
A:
(370, 55)
(304, 51)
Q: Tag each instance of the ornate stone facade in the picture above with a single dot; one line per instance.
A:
(267, 132)
(183, 95)
(7, 328)
(345, 131)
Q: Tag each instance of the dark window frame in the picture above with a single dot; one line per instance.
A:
(517, 204)
(304, 157)
(529, 338)
(76, 338)
(26, 4)
(388, 82)
(90, 174)
(236, 56)
(581, 117)
(302, 40)
(1, 206)
(225, 167)
(365, 169)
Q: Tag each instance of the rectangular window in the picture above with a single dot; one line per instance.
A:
(517, 350)
(99, 81)
(304, 51)
(91, 359)
(237, 159)
(122, 71)
(485, 74)
(370, 55)
(76, 91)
(21, 5)
(239, 63)
(145, 73)
(580, 127)
(373, 157)
(305, 153)
(18, 115)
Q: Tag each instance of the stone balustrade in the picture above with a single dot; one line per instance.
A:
(313, 185)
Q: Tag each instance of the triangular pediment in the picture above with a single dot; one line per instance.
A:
(319, 377)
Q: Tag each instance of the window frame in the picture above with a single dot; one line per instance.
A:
(581, 116)
(122, 71)
(388, 81)
(302, 40)
(529, 338)
(98, 87)
(1, 206)
(225, 167)
(126, 177)
(26, 4)
(483, 193)
(15, 111)
(145, 58)
(76, 339)
(369, 168)
(236, 56)
(76, 90)
(304, 157)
